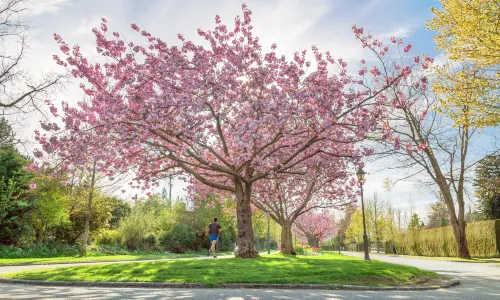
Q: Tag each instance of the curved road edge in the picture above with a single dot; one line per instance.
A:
(450, 283)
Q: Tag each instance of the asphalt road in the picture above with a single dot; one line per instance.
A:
(479, 281)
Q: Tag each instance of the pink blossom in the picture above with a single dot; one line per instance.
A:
(163, 111)
(32, 186)
(409, 148)
(64, 182)
(407, 48)
(422, 116)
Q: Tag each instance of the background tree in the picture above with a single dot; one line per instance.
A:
(19, 92)
(316, 226)
(467, 31)
(266, 114)
(50, 207)
(6, 133)
(375, 208)
(438, 215)
(16, 199)
(419, 139)
(487, 183)
(355, 229)
(415, 223)
(345, 221)
(468, 94)
(391, 226)
(100, 214)
(120, 209)
(323, 184)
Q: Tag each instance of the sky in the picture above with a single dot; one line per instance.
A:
(292, 24)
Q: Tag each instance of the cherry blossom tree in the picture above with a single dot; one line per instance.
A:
(323, 183)
(227, 113)
(316, 226)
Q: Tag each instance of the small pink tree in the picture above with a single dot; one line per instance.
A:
(229, 115)
(322, 183)
(316, 226)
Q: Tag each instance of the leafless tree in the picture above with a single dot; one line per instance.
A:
(444, 159)
(19, 92)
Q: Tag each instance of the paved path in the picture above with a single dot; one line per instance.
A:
(10, 269)
(479, 281)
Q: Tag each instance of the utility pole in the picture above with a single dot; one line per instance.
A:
(268, 234)
(170, 187)
(338, 241)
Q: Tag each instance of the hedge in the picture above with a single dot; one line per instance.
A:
(483, 239)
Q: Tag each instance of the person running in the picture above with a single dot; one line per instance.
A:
(213, 231)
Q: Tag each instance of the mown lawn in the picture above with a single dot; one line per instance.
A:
(323, 269)
(73, 259)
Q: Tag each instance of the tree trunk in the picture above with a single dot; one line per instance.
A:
(457, 223)
(286, 239)
(246, 248)
(311, 240)
(89, 211)
(459, 232)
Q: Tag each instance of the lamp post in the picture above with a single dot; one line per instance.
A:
(361, 176)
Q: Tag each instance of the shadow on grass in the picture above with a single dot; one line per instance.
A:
(325, 269)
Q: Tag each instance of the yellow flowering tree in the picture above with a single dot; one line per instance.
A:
(468, 29)
(468, 94)
(469, 33)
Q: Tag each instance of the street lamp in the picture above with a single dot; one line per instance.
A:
(361, 176)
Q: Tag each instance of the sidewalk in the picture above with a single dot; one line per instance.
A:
(436, 258)
(19, 268)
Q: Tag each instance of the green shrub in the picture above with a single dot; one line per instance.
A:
(179, 239)
(38, 251)
(109, 237)
(150, 242)
(300, 251)
(135, 227)
(483, 240)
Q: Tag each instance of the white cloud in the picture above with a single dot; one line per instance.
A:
(48, 6)
(441, 59)
(399, 32)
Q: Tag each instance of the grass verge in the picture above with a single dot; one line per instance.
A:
(324, 269)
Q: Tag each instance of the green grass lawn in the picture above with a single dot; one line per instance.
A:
(324, 269)
(75, 259)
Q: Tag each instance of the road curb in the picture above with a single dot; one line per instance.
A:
(451, 283)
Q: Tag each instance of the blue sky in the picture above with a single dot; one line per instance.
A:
(293, 24)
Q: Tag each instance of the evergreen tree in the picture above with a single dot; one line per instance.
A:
(16, 200)
(415, 223)
(438, 215)
(6, 133)
(487, 184)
